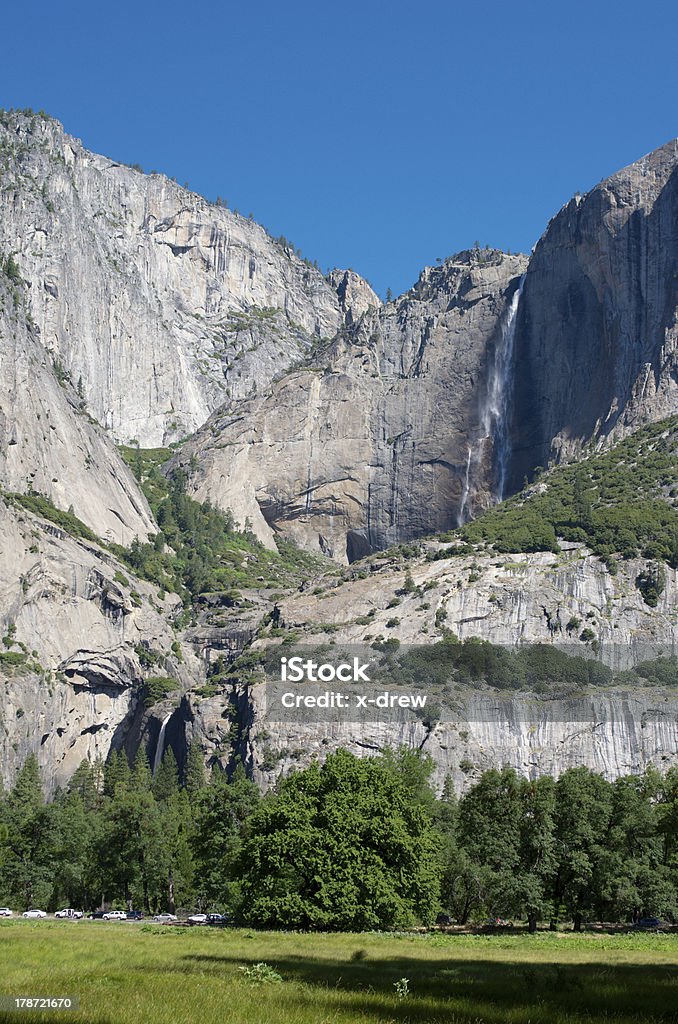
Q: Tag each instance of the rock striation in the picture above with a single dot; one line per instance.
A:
(162, 304)
(134, 309)
(79, 634)
(597, 328)
(382, 436)
(520, 599)
(49, 443)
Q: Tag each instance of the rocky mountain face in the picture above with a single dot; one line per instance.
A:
(323, 417)
(48, 443)
(80, 636)
(162, 304)
(595, 346)
(412, 390)
(531, 599)
(385, 435)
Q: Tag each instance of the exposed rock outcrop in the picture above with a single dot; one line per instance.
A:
(391, 435)
(369, 444)
(162, 303)
(537, 598)
(81, 632)
(597, 330)
(48, 442)
(327, 418)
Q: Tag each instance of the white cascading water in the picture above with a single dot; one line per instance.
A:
(466, 490)
(160, 747)
(494, 410)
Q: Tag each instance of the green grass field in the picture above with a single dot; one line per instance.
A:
(137, 973)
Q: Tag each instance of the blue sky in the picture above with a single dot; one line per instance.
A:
(377, 136)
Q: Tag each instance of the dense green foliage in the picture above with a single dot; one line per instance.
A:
(451, 666)
(42, 506)
(348, 845)
(10, 268)
(538, 668)
(341, 845)
(199, 549)
(621, 503)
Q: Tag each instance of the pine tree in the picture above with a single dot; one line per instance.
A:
(28, 856)
(166, 778)
(117, 775)
(194, 778)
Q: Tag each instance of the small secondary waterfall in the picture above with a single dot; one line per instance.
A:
(466, 490)
(160, 746)
(494, 410)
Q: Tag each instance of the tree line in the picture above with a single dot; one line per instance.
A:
(350, 844)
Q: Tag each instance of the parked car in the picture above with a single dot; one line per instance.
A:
(647, 922)
(69, 912)
(5, 912)
(444, 920)
(34, 913)
(134, 915)
(498, 922)
(115, 915)
(217, 919)
(96, 915)
(197, 919)
(165, 918)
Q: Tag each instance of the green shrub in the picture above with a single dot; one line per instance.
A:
(619, 504)
(155, 688)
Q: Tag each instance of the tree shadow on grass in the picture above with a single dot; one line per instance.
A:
(487, 989)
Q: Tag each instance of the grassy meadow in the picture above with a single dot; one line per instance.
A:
(125, 973)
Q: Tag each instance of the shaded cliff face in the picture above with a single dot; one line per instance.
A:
(502, 599)
(79, 629)
(370, 442)
(163, 304)
(48, 442)
(597, 325)
(615, 734)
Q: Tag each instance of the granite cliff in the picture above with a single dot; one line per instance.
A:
(161, 304)
(421, 390)
(48, 442)
(544, 598)
(595, 346)
(81, 635)
(385, 434)
(132, 309)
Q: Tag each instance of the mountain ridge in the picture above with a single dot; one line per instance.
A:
(350, 427)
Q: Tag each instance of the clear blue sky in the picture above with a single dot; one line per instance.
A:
(373, 135)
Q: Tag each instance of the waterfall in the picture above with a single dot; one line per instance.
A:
(466, 490)
(494, 410)
(160, 746)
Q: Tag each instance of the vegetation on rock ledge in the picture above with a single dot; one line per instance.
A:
(622, 503)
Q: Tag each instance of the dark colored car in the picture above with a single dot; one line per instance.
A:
(134, 915)
(647, 922)
(444, 920)
(96, 915)
(219, 920)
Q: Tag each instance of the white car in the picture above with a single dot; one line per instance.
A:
(34, 913)
(165, 918)
(115, 915)
(69, 912)
(197, 919)
(5, 912)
